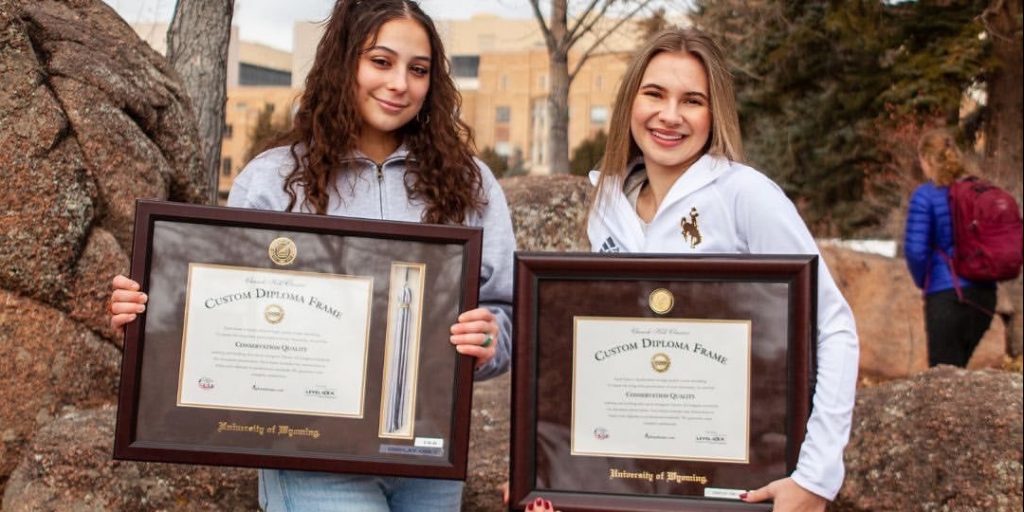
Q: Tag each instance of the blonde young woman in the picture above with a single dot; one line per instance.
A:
(672, 181)
(954, 327)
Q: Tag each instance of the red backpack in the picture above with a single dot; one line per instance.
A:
(987, 231)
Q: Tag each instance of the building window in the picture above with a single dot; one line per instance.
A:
(466, 66)
(598, 115)
(542, 82)
(599, 82)
(253, 75)
(229, 130)
(503, 83)
(502, 115)
(225, 166)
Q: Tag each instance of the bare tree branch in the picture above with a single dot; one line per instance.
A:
(545, 30)
(585, 56)
(560, 40)
(575, 31)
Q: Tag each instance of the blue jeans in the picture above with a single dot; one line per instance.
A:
(302, 491)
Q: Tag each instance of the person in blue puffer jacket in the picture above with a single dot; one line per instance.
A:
(958, 311)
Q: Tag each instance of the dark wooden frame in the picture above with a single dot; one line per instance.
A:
(534, 270)
(128, 446)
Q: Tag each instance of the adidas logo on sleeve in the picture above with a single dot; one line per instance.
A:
(609, 245)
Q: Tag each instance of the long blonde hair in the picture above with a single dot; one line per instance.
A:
(725, 125)
(938, 148)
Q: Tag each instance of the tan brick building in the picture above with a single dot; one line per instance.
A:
(509, 108)
(241, 114)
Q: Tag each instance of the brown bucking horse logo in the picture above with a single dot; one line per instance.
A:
(691, 233)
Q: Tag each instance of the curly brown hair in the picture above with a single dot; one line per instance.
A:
(327, 124)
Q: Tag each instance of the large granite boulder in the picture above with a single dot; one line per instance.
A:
(890, 316)
(47, 362)
(946, 440)
(91, 118)
(68, 467)
(549, 213)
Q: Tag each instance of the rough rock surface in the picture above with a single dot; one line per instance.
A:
(47, 361)
(68, 467)
(890, 316)
(488, 445)
(946, 440)
(549, 213)
(91, 118)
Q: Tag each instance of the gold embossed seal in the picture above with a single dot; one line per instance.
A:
(660, 362)
(283, 251)
(661, 301)
(273, 313)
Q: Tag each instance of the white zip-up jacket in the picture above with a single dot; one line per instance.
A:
(372, 191)
(732, 208)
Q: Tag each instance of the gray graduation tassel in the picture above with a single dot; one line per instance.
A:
(400, 360)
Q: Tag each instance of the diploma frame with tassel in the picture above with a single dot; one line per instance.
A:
(296, 341)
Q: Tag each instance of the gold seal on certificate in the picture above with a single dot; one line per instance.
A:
(273, 314)
(661, 301)
(283, 251)
(660, 362)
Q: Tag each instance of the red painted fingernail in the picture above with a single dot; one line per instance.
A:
(743, 496)
(539, 502)
(529, 507)
(548, 505)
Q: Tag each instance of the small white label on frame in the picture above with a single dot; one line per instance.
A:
(732, 494)
(429, 442)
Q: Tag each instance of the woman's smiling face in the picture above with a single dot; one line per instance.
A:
(393, 78)
(670, 120)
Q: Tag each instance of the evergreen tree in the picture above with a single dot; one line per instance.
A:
(587, 154)
(814, 78)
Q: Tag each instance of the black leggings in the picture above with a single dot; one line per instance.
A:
(954, 328)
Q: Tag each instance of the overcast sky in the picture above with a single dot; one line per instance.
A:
(270, 21)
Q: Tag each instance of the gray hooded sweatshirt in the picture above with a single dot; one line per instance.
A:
(372, 191)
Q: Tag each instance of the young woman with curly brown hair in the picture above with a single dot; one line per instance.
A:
(377, 135)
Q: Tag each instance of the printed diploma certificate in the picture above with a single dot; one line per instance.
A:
(661, 388)
(275, 340)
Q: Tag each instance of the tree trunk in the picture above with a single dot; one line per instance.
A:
(560, 38)
(1004, 130)
(558, 113)
(197, 48)
(558, 93)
